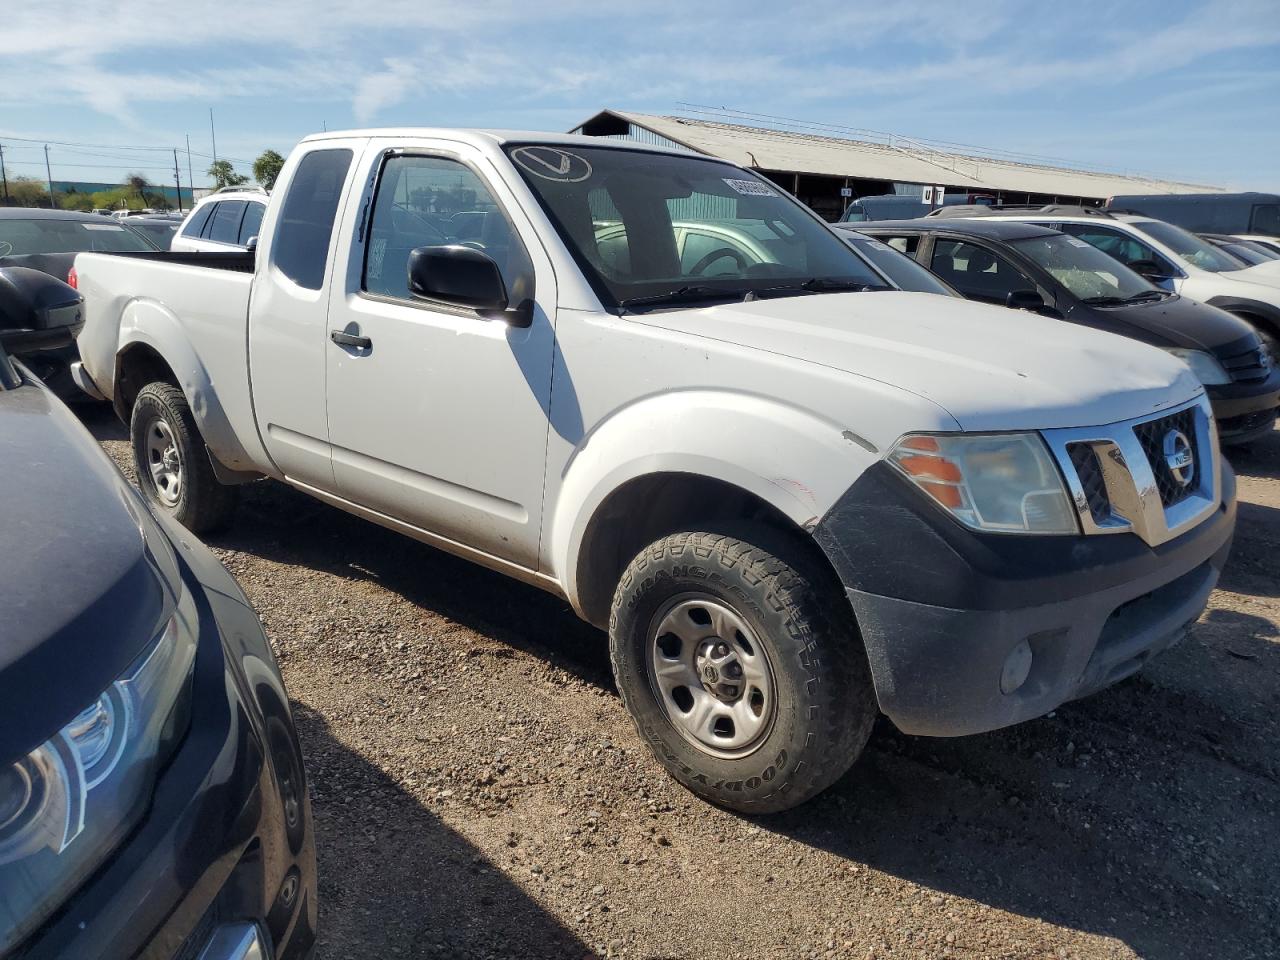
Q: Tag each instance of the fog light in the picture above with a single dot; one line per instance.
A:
(1017, 667)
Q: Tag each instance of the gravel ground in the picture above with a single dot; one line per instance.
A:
(479, 791)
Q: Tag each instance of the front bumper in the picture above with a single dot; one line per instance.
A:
(1245, 411)
(227, 844)
(945, 613)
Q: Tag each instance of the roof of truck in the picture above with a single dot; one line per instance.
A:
(487, 137)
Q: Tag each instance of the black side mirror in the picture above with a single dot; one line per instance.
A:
(1148, 269)
(1025, 300)
(37, 311)
(465, 277)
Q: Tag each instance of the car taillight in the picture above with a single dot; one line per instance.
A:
(72, 280)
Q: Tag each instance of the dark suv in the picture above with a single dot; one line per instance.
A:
(1039, 269)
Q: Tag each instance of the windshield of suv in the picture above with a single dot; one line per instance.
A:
(1087, 272)
(22, 237)
(653, 229)
(1189, 247)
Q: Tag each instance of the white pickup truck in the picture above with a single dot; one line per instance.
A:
(656, 385)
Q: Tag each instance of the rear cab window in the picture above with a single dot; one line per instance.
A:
(300, 247)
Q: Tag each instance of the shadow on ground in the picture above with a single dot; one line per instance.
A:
(396, 882)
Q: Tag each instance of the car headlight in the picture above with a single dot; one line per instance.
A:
(1207, 370)
(1004, 483)
(67, 803)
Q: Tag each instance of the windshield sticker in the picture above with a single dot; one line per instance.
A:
(1076, 241)
(751, 188)
(548, 163)
(104, 226)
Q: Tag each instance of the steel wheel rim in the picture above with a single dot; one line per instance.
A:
(711, 675)
(164, 461)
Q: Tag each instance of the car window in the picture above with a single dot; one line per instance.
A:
(902, 270)
(977, 272)
(622, 214)
(224, 225)
(22, 237)
(1082, 268)
(300, 248)
(436, 201)
(251, 222)
(196, 224)
(906, 243)
(1265, 219)
(1189, 247)
(1122, 246)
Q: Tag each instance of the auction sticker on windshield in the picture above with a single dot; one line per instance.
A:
(549, 163)
(751, 188)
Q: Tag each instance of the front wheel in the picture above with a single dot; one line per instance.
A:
(172, 463)
(742, 669)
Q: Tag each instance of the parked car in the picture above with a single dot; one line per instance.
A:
(1248, 252)
(1207, 212)
(902, 271)
(159, 229)
(48, 240)
(893, 206)
(1041, 270)
(225, 220)
(1271, 244)
(152, 791)
(791, 503)
(1168, 256)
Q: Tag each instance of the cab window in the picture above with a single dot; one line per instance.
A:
(977, 272)
(436, 201)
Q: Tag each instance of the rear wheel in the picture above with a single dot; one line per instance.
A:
(741, 667)
(172, 463)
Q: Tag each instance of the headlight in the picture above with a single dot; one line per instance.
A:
(1207, 370)
(68, 802)
(1005, 483)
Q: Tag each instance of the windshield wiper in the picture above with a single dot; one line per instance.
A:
(1141, 296)
(822, 285)
(689, 294)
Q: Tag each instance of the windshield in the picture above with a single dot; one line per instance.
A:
(646, 226)
(904, 272)
(1189, 247)
(22, 237)
(1087, 272)
(1246, 253)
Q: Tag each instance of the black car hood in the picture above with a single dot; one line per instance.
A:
(55, 264)
(1176, 322)
(86, 578)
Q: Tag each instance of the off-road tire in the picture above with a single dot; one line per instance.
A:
(203, 505)
(825, 703)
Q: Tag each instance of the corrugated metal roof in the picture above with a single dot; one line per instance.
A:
(904, 162)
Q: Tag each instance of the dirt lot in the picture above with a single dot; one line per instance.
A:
(479, 792)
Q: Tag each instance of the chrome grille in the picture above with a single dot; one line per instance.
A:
(1152, 435)
(1120, 481)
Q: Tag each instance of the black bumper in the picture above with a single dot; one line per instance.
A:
(228, 838)
(1245, 411)
(942, 609)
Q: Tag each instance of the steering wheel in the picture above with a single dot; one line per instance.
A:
(718, 254)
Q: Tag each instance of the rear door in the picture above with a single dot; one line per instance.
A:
(441, 421)
(288, 329)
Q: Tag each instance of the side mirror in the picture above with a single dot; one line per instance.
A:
(1148, 268)
(252, 243)
(37, 311)
(1025, 300)
(465, 277)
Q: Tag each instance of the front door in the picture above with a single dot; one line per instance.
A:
(438, 416)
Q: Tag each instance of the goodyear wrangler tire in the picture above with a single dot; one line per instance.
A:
(741, 667)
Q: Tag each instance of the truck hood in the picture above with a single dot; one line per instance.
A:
(86, 578)
(989, 367)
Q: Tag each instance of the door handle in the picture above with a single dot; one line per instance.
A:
(344, 339)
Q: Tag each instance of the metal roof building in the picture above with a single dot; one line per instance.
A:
(816, 167)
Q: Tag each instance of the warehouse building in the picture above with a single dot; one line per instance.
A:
(825, 172)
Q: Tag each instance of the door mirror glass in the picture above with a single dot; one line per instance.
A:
(459, 275)
(37, 311)
(1025, 300)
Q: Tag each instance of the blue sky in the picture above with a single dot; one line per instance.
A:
(1189, 90)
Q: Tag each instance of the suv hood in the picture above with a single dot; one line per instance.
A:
(86, 578)
(1179, 322)
(990, 368)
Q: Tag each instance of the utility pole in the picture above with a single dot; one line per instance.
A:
(4, 176)
(177, 178)
(49, 175)
(213, 136)
(190, 176)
